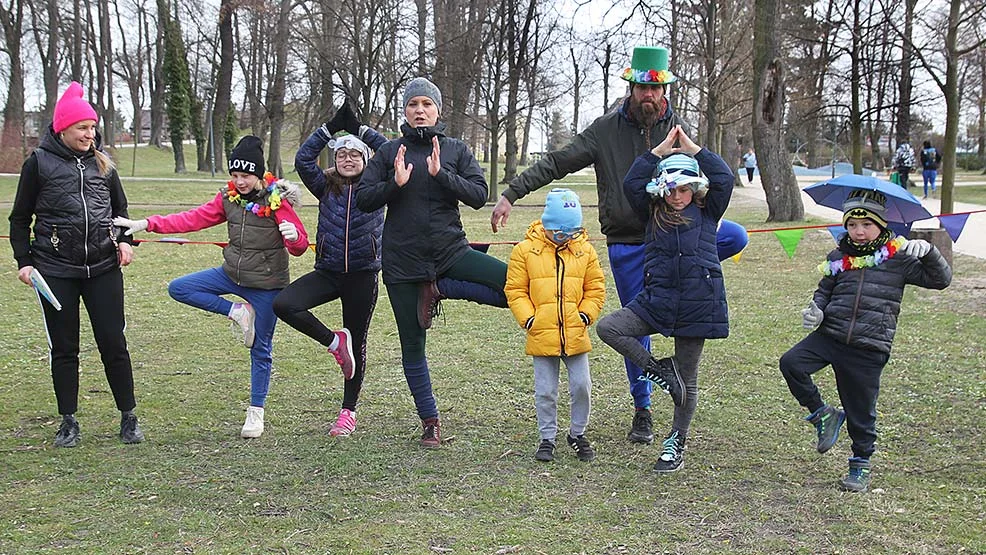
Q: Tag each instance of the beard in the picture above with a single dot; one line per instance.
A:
(646, 113)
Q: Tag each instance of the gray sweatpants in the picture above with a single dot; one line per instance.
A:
(546, 393)
(620, 331)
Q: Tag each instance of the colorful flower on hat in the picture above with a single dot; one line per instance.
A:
(646, 75)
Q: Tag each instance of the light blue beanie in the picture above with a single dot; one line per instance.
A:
(562, 211)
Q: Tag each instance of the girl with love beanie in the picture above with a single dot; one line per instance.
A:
(71, 108)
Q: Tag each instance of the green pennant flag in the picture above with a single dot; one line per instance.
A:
(789, 239)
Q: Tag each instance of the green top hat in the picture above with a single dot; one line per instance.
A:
(649, 66)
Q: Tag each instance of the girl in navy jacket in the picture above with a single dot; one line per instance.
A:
(347, 254)
(684, 296)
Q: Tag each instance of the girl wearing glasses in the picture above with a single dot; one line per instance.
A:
(684, 296)
(555, 288)
(347, 254)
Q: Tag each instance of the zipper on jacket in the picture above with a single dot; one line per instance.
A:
(239, 258)
(855, 305)
(560, 295)
(85, 211)
(54, 238)
(345, 248)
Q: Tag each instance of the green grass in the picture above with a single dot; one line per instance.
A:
(752, 481)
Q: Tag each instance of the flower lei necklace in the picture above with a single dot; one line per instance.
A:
(884, 253)
(274, 197)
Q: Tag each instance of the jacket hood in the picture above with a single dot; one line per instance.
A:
(423, 134)
(289, 192)
(53, 144)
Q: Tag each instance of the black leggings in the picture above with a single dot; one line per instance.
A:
(103, 297)
(358, 291)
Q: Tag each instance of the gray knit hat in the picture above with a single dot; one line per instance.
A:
(419, 86)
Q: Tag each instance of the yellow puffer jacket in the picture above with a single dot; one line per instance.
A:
(553, 285)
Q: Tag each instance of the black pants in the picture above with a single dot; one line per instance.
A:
(358, 291)
(749, 174)
(103, 297)
(857, 377)
(905, 177)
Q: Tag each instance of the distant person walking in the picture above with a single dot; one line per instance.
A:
(750, 164)
(930, 159)
(904, 163)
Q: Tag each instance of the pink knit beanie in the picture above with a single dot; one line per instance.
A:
(71, 108)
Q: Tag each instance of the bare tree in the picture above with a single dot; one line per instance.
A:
(12, 22)
(781, 188)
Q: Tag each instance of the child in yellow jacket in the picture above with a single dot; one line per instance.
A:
(555, 288)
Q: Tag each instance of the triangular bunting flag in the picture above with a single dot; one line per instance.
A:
(954, 224)
(789, 239)
(836, 231)
(736, 257)
(904, 230)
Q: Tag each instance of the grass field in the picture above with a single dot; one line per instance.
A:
(752, 482)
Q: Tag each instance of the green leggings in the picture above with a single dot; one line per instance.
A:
(474, 267)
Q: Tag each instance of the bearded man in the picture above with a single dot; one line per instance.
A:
(611, 143)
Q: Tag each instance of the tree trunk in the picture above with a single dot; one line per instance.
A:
(855, 117)
(905, 85)
(224, 83)
(275, 94)
(952, 107)
(781, 188)
(11, 138)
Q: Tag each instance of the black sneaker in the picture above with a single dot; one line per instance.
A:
(858, 479)
(582, 448)
(664, 373)
(68, 434)
(673, 456)
(641, 431)
(546, 451)
(827, 421)
(129, 429)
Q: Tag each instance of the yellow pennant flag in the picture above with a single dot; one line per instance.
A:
(736, 257)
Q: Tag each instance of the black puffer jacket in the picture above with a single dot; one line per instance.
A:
(861, 306)
(73, 207)
(422, 232)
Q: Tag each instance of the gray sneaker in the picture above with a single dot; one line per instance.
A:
(858, 479)
(129, 428)
(827, 421)
(68, 434)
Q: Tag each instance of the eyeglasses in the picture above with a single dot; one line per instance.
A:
(565, 236)
(348, 154)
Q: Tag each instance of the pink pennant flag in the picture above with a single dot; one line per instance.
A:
(954, 224)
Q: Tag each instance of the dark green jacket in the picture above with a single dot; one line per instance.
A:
(611, 143)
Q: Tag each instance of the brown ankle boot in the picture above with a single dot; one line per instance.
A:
(432, 437)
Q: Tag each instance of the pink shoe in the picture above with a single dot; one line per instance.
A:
(344, 353)
(345, 424)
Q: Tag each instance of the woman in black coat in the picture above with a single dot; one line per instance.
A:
(71, 191)
(421, 177)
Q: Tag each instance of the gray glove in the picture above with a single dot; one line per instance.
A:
(133, 226)
(811, 316)
(917, 247)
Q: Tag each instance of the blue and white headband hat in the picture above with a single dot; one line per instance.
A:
(677, 170)
(350, 142)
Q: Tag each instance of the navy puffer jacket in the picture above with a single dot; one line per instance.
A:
(684, 294)
(348, 239)
(861, 306)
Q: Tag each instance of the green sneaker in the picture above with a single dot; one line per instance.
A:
(858, 479)
(827, 421)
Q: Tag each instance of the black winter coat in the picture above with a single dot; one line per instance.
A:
(422, 233)
(73, 207)
(861, 306)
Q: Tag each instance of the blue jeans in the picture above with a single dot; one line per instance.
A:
(627, 264)
(929, 177)
(202, 290)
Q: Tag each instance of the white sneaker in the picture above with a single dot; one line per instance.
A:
(243, 314)
(254, 425)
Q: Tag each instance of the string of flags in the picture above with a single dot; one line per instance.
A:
(789, 237)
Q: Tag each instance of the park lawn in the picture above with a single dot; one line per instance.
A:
(752, 481)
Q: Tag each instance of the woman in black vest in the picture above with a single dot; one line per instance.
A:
(71, 190)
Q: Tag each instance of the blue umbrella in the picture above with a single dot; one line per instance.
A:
(902, 206)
